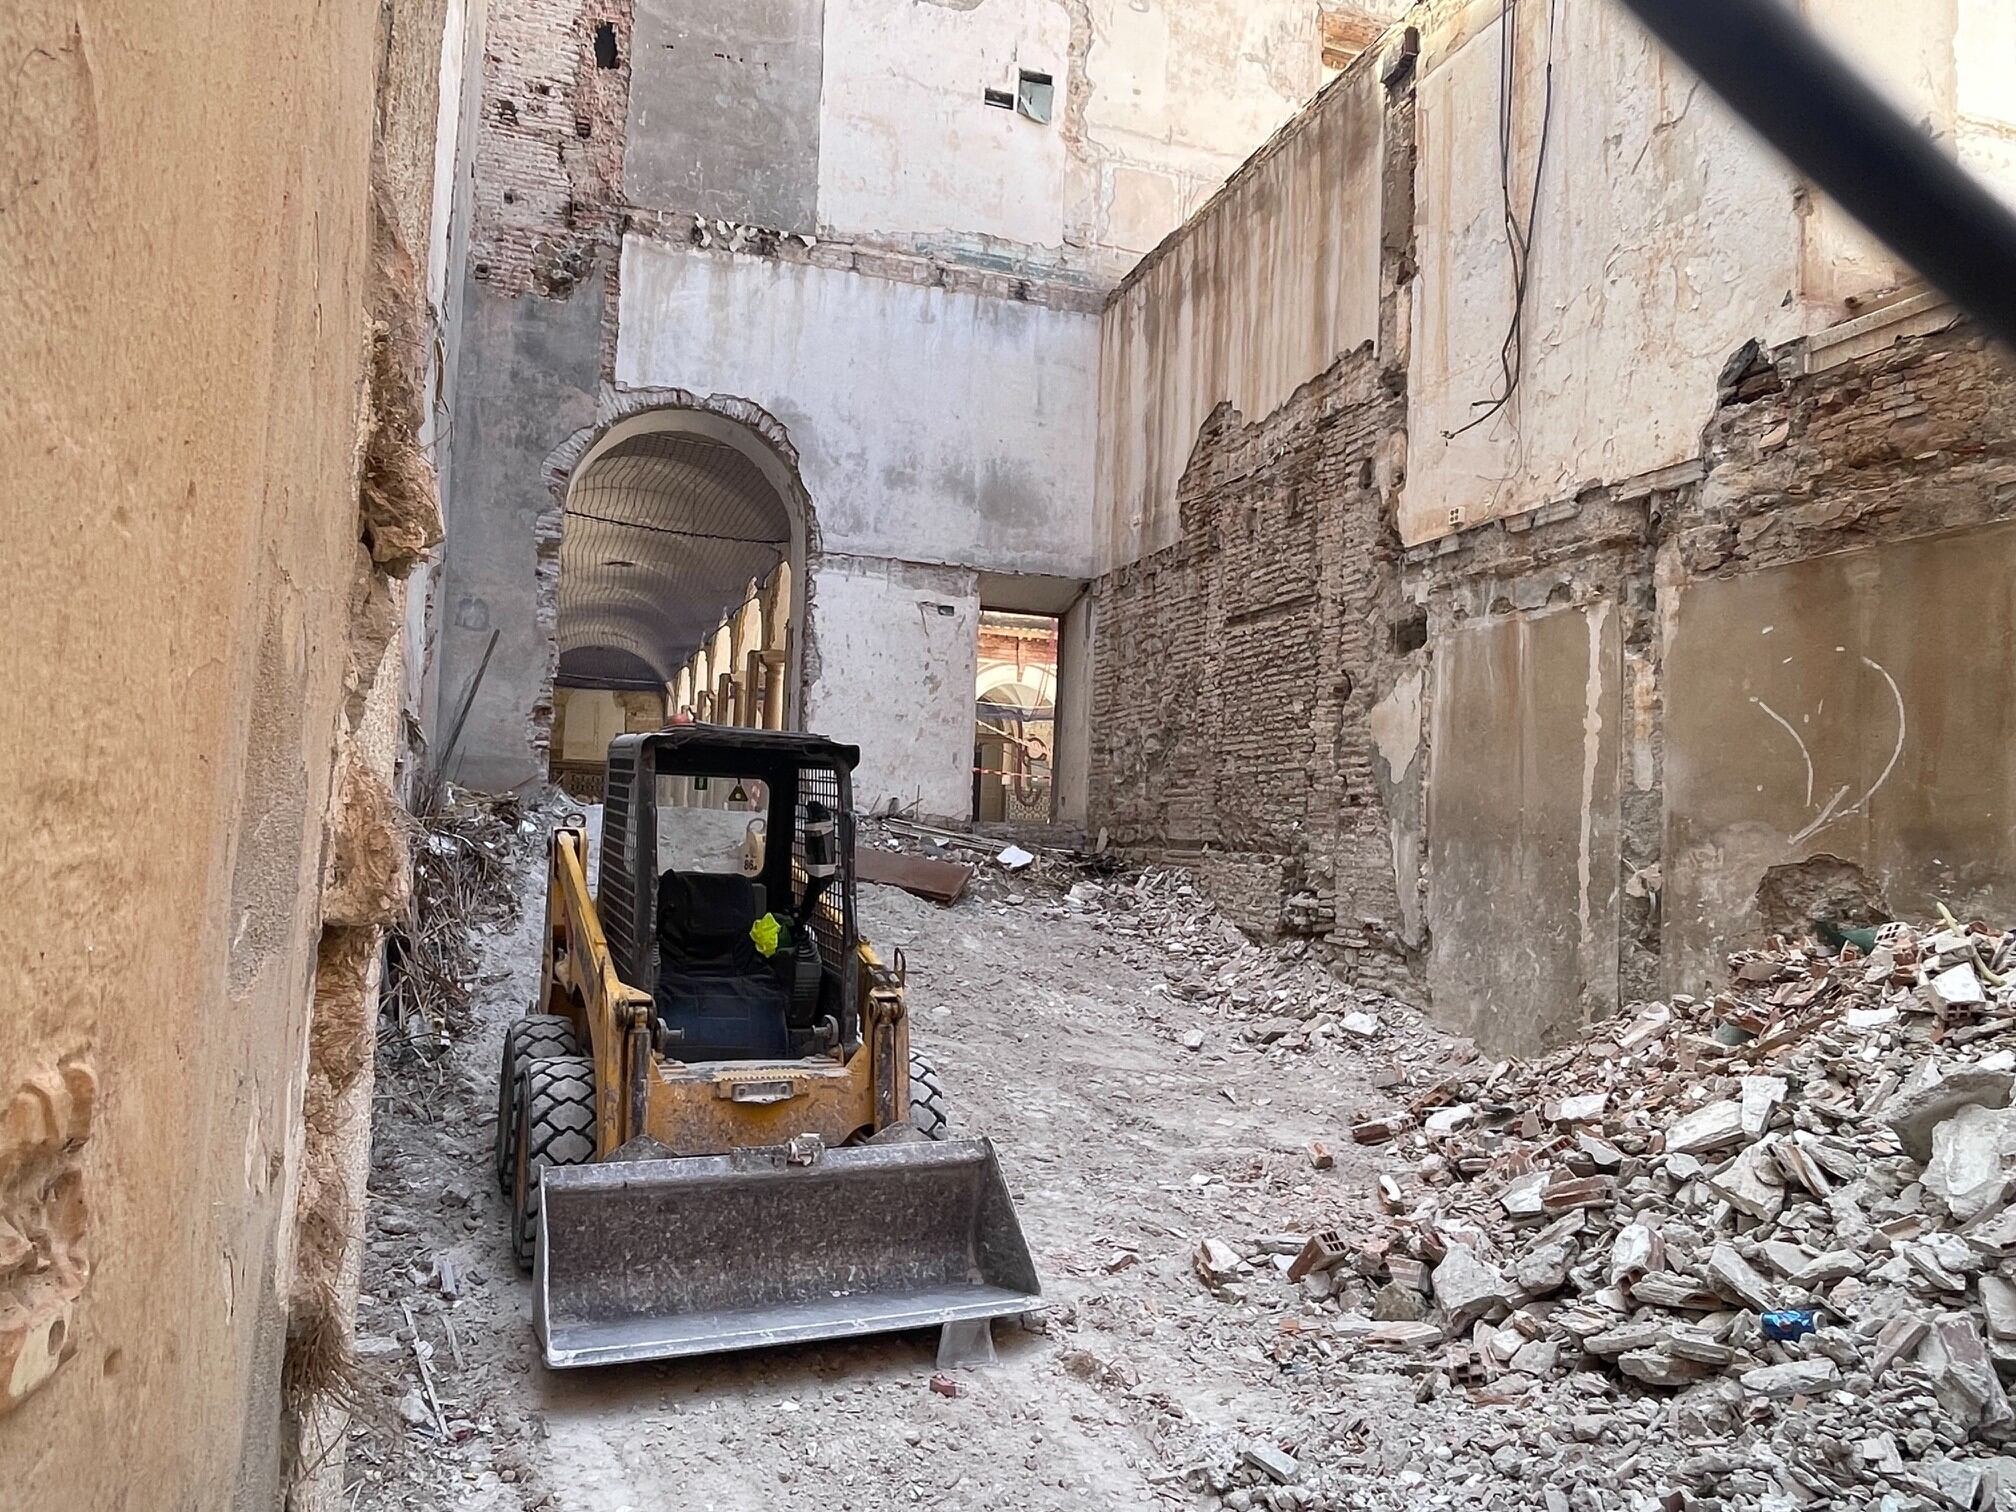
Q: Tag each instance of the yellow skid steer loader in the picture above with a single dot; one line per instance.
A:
(713, 1128)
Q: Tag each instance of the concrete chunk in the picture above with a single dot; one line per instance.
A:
(1799, 1378)
(1969, 1153)
(1216, 1260)
(1752, 1182)
(1998, 1301)
(1963, 1376)
(1761, 1095)
(1898, 1338)
(1466, 1286)
(1825, 1270)
(1955, 987)
(1656, 1367)
(1638, 1249)
(1522, 1198)
(1276, 1464)
(1737, 1279)
(1916, 1110)
(1714, 1127)
(1544, 1268)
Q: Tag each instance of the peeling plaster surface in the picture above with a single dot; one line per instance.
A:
(1666, 237)
(1832, 706)
(1250, 302)
(1179, 92)
(1908, 52)
(1396, 726)
(897, 640)
(1699, 240)
(931, 426)
(908, 142)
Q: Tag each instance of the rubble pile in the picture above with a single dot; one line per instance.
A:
(1782, 1216)
(467, 850)
(1277, 997)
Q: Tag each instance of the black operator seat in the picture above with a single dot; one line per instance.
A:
(713, 984)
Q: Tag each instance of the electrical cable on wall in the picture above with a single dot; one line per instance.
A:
(1518, 240)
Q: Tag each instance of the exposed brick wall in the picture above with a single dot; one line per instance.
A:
(1918, 437)
(1911, 440)
(1235, 673)
(549, 151)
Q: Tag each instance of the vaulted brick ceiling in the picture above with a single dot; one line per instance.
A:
(663, 534)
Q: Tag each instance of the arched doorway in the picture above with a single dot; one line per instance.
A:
(681, 586)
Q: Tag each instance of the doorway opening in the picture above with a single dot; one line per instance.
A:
(1015, 719)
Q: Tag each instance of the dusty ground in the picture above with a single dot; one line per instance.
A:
(1058, 1024)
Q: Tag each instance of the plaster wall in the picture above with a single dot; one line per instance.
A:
(463, 26)
(931, 425)
(1155, 104)
(898, 657)
(1701, 239)
(182, 351)
(1254, 299)
(528, 378)
(1636, 294)
(725, 111)
(1986, 105)
(1818, 709)
(909, 143)
(867, 120)
(1522, 832)
(1077, 634)
(1909, 52)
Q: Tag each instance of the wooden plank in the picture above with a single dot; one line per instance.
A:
(936, 881)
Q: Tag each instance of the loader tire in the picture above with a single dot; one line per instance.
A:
(556, 1127)
(533, 1037)
(927, 1100)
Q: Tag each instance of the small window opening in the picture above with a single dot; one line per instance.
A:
(605, 46)
(1000, 98)
(1035, 95)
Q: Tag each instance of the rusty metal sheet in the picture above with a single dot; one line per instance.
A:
(937, 881)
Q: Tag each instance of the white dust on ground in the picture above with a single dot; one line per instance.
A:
(1057, 1032)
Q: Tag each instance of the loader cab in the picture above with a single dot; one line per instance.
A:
(727, 890)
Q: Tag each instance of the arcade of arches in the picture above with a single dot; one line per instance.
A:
(677, 591)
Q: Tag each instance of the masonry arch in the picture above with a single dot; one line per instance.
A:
(685, 535)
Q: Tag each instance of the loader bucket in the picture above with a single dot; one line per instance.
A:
(652, 1259)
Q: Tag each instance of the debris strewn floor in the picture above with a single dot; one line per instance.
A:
(1515, 1287)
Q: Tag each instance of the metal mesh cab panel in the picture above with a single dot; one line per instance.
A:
(616, 892)
(833, 921)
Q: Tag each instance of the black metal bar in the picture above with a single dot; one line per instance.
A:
(1816, 110)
